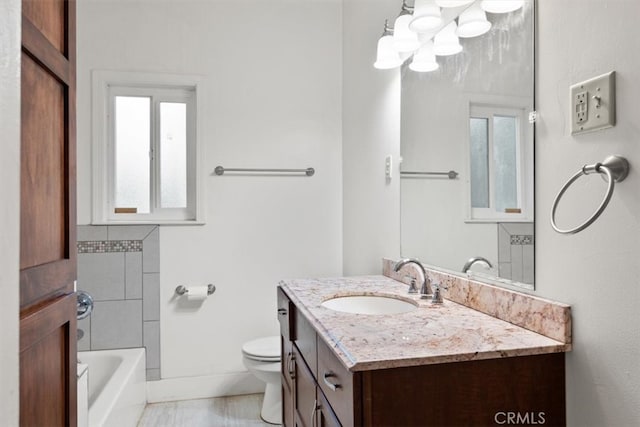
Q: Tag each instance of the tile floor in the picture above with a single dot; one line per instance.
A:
(235, 411)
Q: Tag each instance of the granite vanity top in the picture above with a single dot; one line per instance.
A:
(431, 334)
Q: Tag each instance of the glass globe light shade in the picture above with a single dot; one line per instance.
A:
(424, 60)
(453, 3)
(473, 22)
(501, 6)
(404, 40)
(446, 42)
(387, 56)
(426, 16)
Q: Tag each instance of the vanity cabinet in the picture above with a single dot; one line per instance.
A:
(319, 390)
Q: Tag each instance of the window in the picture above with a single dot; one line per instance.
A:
(145, 149)
(500, 164)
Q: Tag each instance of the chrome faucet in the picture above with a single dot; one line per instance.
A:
(473, 260)
(425, 289)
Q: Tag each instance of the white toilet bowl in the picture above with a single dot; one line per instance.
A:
(262, 358)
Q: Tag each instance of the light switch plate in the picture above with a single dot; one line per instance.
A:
(593, 104)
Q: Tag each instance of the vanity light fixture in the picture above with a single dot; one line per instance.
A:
(501, 6)
(421, 34)
(404, 40)
(387, 56)
(426, 16)
(446, 42)
(473, 22)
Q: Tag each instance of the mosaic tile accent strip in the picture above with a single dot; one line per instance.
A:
(105, 246)
(522, 239)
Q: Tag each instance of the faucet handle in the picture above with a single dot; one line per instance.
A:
(437, 295)
(412, 286)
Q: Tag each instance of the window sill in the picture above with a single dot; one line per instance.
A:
(497, 220)
(145, 222)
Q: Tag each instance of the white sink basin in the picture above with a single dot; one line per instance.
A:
(369, 304)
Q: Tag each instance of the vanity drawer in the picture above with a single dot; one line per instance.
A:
(285, 315)
(336, 382)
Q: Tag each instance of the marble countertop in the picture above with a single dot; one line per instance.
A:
(431, 334)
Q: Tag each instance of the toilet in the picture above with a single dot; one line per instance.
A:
(262, 358)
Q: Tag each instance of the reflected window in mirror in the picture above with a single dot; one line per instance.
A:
(497, 159)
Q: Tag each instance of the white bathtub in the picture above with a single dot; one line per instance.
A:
(116, 386)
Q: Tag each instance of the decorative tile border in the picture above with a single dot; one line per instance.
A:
(522, 239)
(105, 246)
(545, 317)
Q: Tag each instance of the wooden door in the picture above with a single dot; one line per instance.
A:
(48, 215)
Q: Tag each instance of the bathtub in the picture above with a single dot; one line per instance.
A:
(116, 390)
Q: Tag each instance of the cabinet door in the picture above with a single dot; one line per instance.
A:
(325, 415)
(287, 371)
(304, 393)
(286, 311)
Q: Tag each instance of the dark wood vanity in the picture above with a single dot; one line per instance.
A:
(319, 390)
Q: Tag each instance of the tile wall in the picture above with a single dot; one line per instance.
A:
(120, 267)
(516, 251)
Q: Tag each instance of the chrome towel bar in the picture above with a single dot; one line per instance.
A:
(219, 170)
(616, 168)
(450, 174)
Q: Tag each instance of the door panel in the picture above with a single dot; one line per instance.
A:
(43, 205)
(48, 373)
(48, 215)
(50, 17)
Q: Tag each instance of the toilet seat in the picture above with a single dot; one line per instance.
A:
(263, 349)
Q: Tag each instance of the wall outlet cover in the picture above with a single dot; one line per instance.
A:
(593, 104)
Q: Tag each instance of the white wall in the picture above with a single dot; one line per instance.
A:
(273, 99)
(596, 271)
(371, 131)
(9, 208)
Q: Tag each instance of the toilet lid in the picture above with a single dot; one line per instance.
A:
(267, 348)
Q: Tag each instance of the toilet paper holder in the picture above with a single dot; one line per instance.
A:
(183, 290)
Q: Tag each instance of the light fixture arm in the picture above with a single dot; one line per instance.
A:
(388, 30)
(406, 9)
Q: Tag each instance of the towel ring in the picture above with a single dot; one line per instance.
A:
(616, 168)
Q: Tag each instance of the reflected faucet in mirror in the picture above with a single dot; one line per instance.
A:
(425, 289)
(474, 260)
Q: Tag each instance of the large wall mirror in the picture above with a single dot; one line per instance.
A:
(467, 155)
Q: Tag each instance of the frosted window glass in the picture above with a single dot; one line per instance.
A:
(505, 160)
(132, 145)
(479, 130)
(173, 149)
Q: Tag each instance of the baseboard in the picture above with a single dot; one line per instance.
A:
(203, 387)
